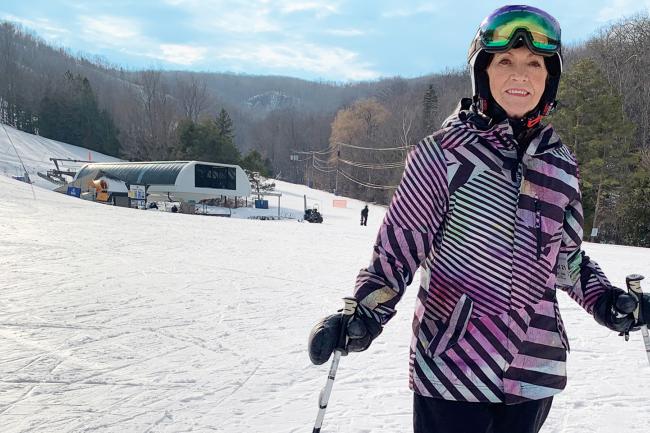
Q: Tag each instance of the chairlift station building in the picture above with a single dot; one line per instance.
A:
(182, 181)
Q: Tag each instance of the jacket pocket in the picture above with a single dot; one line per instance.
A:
(450, 332)
(560, 327)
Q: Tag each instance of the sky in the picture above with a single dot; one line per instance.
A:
(116, 320)
(332, 40)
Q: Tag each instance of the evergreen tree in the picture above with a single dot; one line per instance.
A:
(633, 222)
(71, 114)
(108, 133)
(196, 140)
(430, 110)
(226, 151)
(259, 183)
(23, 119)
(208, 140)
(592, 123)
(254, 162)
(225, 126)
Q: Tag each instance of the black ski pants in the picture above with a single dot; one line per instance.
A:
(432, 415)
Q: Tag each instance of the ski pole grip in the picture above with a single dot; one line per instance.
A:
(633, 282)
(349, 307)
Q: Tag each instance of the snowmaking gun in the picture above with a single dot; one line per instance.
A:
(101, 188)
(633, 282)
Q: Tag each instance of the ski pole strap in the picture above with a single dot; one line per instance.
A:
(634, 288)
(633, 282)
(349, 307)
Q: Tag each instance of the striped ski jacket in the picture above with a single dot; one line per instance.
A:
(495, 235)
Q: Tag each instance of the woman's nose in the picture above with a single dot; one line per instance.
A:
(519, 73)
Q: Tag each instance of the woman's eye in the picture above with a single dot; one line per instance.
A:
(504, 61)
(535, 64)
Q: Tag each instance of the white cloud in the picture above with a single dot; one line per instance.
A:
(43, 26)
(251, 16)
(124, 35)
(240, 21)
(331, 63)
(180, 54)
(403, 12)
(109, 30)
(618, 9)
(322, 8)
(237, 26)
(345, 32)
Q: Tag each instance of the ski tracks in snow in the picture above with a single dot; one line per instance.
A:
(114, 320)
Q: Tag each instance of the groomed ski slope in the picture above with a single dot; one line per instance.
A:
(119, 320)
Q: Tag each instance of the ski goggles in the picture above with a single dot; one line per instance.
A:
(500, 30)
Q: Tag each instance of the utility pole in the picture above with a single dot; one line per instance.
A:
(294, 157)
(336, 183)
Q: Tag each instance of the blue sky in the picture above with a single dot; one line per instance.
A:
(333, 40)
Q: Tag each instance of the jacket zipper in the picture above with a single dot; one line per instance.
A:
(538, 226)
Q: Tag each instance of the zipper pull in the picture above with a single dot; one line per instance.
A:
(538, 226)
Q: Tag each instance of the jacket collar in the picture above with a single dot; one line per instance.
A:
(501, 135)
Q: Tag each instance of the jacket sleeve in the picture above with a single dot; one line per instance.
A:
(406, 234)
(577, 274)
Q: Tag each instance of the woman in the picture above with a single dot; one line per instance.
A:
(490, 207)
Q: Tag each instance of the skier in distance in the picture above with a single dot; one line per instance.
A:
(364, 216)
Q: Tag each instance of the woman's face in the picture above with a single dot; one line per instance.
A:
(517, 80)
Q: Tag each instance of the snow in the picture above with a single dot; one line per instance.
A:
(124, 320)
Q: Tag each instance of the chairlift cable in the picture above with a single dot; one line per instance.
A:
(371, 166)
(368, 185)
(20, 159)
(378, 149)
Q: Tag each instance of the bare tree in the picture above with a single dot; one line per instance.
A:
(158, 136)
(9, 73)
(621, 51)
(358, 136)
(192, 96)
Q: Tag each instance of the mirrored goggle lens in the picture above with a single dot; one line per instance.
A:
(498, 31)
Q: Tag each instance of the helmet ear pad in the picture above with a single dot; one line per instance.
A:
(553, 65)
(482, 94)
(554, 69)
(480, 80)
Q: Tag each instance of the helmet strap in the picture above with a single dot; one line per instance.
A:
(533, 121)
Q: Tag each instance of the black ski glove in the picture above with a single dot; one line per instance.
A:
(614, 308)
(361, 330)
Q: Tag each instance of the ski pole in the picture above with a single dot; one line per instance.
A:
(634, 288)
(323, 398)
